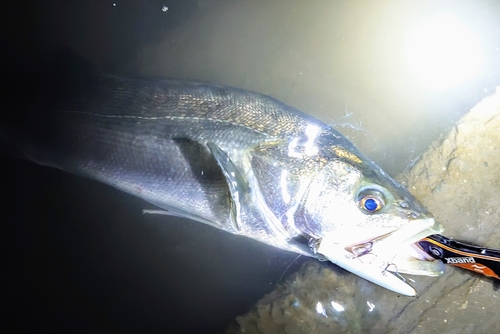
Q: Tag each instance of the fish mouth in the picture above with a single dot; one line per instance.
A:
(383, 257)
(401, 251)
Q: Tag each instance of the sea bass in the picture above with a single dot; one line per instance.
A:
(241, 162)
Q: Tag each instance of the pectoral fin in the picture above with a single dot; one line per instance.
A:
(238, 186)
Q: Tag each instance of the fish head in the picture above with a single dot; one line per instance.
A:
(348, 199)
(331, 195)
(355, 205)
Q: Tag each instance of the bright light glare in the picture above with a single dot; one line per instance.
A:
(443, 53)
(320, 309)
(337, 307)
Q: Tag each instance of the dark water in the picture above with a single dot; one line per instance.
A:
(79, 256)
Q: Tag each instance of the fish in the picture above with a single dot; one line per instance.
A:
(239, 161)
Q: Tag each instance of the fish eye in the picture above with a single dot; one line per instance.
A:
(371, 200)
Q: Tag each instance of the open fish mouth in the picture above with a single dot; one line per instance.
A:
(382, 259)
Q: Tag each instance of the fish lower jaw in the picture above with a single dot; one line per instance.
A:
(393, 249)
(367, 267)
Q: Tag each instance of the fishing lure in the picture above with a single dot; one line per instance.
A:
(485, 261)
